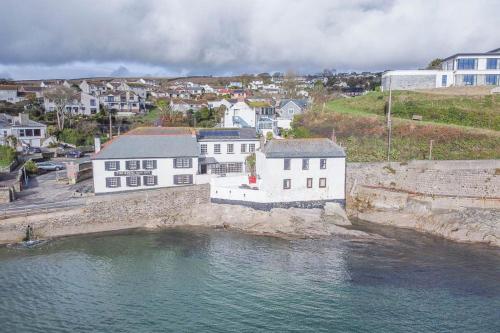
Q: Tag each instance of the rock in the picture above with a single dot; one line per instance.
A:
(334, 213)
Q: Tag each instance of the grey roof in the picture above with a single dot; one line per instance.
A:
(230, 134)
(302, 103)
(494, 51)
(491, 53)
(302, 148)
(7, 121)
(149, 146)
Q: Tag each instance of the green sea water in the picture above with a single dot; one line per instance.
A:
(219, 281)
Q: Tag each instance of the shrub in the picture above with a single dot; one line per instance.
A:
(7, 155)
(31, 167)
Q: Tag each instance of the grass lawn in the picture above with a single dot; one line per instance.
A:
(481, 111)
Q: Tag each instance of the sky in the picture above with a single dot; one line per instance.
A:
(41, 39)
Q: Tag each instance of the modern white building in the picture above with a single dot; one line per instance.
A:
(224, 151)
(303, 173)
(239, 115)
(461, 69)
(146, 158)
(82, 104)
(27, 132)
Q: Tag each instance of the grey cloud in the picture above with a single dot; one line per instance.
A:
(224, 36)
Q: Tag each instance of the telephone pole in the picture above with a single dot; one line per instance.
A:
(389, 123)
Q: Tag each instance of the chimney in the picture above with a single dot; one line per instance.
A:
(23, 118)
(97, 144)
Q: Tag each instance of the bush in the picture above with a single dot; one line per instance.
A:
(31, 167)
(7, 155)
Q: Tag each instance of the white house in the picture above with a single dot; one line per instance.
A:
(461, 69)
(224, 151)
(82, 104)
(218, 103)
(27, 131)
(303, 173)
(93, 87)
(146, 158)
(121, 101)
(8, 93)
(239, 115)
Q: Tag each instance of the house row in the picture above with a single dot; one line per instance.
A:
(286, 173)
(461, 69)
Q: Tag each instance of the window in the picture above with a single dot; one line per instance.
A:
(150, 180)
(322, 182)
(132, 165)
(305, 164)
(92, 102)
(183, 179)
(183, 163)
(286, 164)
(444, 80)
(21, 132)
(251, 148)
(491, 79)
(287, 184)
(322, 163)
(223, 168)
(113, 182)
(309, 182)
(469, 79)
(149, 164)
(243, 147)
(492, 63)
(29, 132)
(111, 98)
(112, 165)
(133, 181)
(230, 148)
(217, 148)
(467, 63)
(204, 148)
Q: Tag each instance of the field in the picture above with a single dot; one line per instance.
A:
(438, 106)
(359, 125)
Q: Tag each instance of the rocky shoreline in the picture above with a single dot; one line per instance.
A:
(283, 223)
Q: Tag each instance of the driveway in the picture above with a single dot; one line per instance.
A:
(44, 192)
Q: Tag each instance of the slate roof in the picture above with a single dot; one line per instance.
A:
(302, 103)
(7, 121)
(229, 134)
(153, 142)
(302, 148)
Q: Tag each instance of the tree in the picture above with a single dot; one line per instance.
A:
(164, 107)
(290, 84)
(435, 64)
(61, 96)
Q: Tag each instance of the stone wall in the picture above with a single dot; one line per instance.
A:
(479, 179)
(410, 82)
(110, 212)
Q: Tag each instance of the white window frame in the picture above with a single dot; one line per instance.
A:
(324, 182)
(230, 148)
(204, 149)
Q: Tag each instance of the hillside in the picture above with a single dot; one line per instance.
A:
(364, 136)
(480, 110)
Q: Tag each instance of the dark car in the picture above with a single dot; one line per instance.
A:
(74, 154)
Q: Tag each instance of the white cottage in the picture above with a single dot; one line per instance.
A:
(146, 158)
(303, 173)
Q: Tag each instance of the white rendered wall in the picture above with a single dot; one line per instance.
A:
(165, 171)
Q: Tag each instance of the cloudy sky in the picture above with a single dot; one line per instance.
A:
(74, 38)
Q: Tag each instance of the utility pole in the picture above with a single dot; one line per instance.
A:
(430, 149)
(389, 124)
(110, 125)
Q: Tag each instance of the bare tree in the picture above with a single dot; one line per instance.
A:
(61, 96)
(290, 84)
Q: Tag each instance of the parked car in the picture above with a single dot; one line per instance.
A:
(50, 166)
(74, 154)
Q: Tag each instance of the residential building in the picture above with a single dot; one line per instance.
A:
(288, 108)
(218, 103)
(265, 114)
(82, 104)
(138, 88)
(27, 131)
(304, 173)
(224, 151)
(146, 158)
(185, 105)
(8, 93)
(239, 115)
(93, 87)
(121, 101)
(461, 69)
